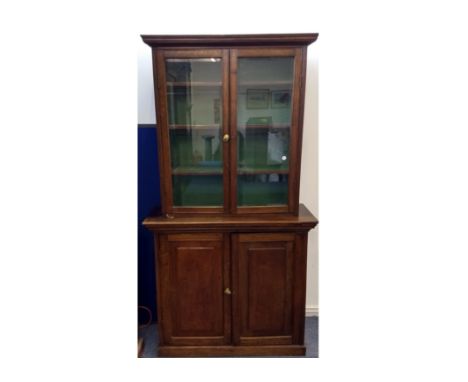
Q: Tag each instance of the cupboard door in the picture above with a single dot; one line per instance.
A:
(263, 288)
(265, 120)
(193, 98)
(194, 273)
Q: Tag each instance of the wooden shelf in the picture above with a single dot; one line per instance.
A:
(219, 83)
(197, 171)
(215, 126)
(260, 170)
(260, 126)
(219, 171)
(266, 83)
(200, 127)
(195, 83)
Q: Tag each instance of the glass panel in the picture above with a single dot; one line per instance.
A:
(262, 189)
(196, 190)
(194, 90)
(264, 96)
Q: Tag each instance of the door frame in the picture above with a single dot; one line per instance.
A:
(159, 57)
(295, 129)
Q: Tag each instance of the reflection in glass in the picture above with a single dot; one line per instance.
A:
(197, 190)
(264, 92)
(262, 189)
(194, 117)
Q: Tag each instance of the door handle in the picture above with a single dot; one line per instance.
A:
(227, 291)
(226, 138)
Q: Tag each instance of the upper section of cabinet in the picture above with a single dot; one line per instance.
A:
(229, 114)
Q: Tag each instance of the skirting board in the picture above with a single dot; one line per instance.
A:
(312, 310)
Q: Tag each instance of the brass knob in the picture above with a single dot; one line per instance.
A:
(227, 291)
(226, 138)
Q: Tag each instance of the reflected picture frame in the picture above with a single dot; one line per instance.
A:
(280, 99)
(258, 98)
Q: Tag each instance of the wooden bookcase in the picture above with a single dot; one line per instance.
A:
(231, 236)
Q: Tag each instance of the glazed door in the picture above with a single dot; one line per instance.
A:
(194, 289)
(263, 269)
(265, 119)
(193, 99)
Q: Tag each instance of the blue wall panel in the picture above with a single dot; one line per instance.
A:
(148, 199)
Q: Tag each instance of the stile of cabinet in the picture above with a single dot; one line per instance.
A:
(231, 237)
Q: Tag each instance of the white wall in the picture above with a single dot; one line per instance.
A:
(146, 113)
(309, 173)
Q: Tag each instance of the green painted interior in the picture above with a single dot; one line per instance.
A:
(262, 190)
(264, 88)
(263, 135)
(197, 190)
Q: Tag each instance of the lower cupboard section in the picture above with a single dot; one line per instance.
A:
(224, 294)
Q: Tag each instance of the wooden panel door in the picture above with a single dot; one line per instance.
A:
(193, 275)
(263, 276)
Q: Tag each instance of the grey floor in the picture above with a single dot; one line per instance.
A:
(150, 336)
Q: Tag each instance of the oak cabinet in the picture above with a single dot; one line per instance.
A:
(231, 236)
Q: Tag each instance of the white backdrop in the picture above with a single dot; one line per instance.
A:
(393, 187)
